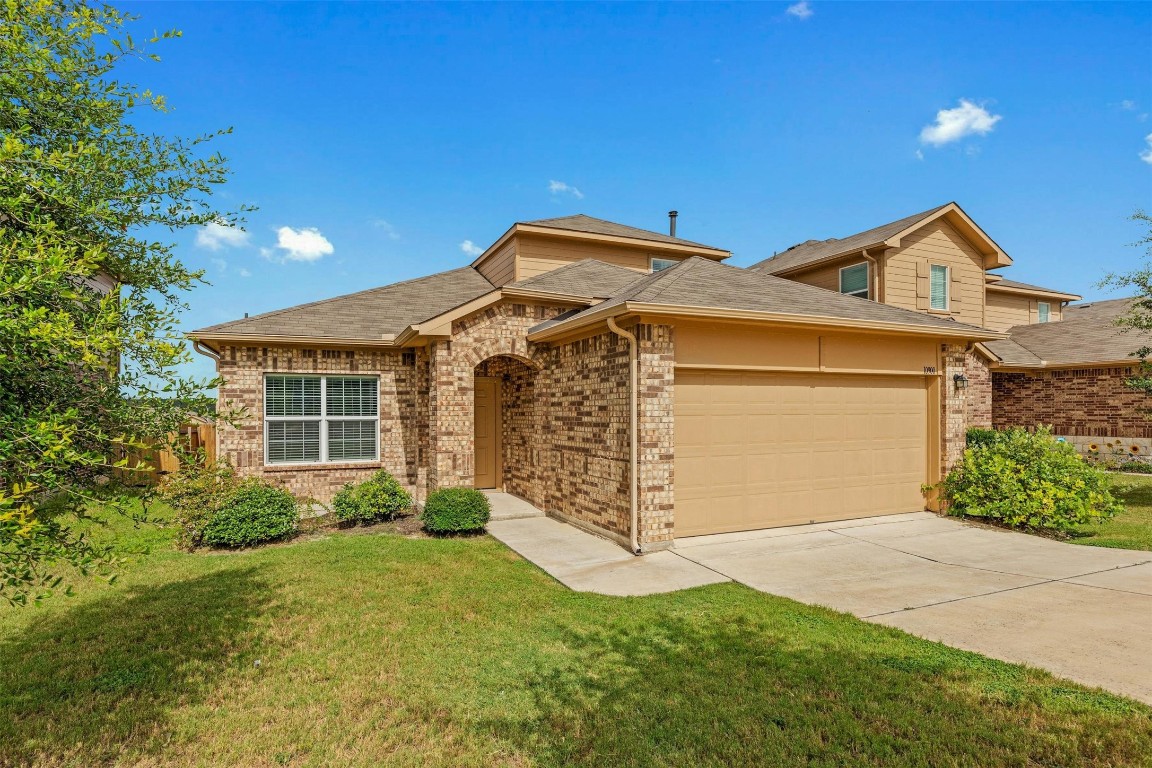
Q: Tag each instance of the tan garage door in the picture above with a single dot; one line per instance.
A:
(763, 450)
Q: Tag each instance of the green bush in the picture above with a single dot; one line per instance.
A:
(979, 436)
(196, 493)
(378, 498)
(254, 512)
(1029, 480)
(456, 510)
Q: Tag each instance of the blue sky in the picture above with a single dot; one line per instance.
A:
(377, 139)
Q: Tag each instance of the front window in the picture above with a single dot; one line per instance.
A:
(318, 419)
(662, 264)
(854, 280)
(939, 287)
(1043, 310)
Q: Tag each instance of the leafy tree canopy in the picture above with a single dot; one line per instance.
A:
(1139, 316)
(89, 286)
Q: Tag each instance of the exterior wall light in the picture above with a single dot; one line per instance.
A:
(960, 380)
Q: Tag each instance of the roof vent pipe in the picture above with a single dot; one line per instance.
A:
(672, 223)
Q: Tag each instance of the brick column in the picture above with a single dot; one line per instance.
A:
(450, 419)
(655, 423)
(954, 407)
(979, 395)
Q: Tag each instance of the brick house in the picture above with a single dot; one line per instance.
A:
(1071, 375)
(631, 383)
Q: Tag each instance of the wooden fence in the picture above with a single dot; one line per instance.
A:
(195, 436)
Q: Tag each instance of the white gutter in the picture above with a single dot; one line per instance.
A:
(633, 375)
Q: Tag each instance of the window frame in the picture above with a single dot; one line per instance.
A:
(652, 263)
(867, 280)
(947, 288)
(1046, 315)
(322, 418)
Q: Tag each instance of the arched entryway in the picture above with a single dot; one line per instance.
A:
(505, 419)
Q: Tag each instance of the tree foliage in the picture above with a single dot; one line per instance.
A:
(86, 199)
(1139, 316)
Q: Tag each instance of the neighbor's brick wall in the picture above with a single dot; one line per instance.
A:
(403, 430)
(1084, 401)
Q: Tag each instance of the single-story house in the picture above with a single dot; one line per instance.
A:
(1072, 376)
(629, 382)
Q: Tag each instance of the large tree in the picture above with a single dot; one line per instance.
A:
(90, 286)
(1139, 316)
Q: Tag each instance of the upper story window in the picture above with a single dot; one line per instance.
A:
(939, 287)
(660, 264)
(1043, 311)
(318, 419)
(854, 280)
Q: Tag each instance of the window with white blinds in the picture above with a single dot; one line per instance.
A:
(1043, 311)
(939, 287)
(318, 419)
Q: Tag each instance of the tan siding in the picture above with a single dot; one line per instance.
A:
(537, 255)
(828, 277)
(1008, 309)
(937, 243)
(500, 267)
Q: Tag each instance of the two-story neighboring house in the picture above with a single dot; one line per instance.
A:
(1063, 364)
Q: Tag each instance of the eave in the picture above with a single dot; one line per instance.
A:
(596, 317)
(1056, 295)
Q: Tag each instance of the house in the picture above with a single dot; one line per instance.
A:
(1072, 376)
(629, 381)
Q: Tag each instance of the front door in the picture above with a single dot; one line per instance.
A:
(487, 432)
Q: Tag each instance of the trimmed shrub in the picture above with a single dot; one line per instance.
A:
(1029, 480)
(253, 513)
(456, 510)
(196, 493)
(979, 436)
(378, 498)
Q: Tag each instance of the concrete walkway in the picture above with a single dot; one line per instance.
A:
(587, 563)
(1084, 613)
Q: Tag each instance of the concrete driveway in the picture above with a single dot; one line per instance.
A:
(1084, 613)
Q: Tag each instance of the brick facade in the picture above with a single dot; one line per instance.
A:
(1093, 402)
(565, 416)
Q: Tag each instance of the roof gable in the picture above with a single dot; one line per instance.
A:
(812, 252)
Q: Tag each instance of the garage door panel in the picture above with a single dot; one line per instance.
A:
(763, 450)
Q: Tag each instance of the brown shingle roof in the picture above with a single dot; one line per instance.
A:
(582, 223)
(816, 250)
(1087, 334)
(588, 278)
(369, 315)
(699, 282)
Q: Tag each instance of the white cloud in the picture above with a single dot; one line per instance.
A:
(471, 248)
(919, 154)
(1128, 105)
(968, 119)
(244, 272)
(560, 188)
(219, 235)
(800, 10)
(386, 228)
(220, 264)
(305, 244)
(1146, 155)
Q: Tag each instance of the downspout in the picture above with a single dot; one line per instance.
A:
(633, 376)
(196, 345)
(875, 276)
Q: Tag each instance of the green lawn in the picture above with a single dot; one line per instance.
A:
(374, 649)
(1131, 529)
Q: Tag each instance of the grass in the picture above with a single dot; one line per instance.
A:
(366, 650)
(1132, 528)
